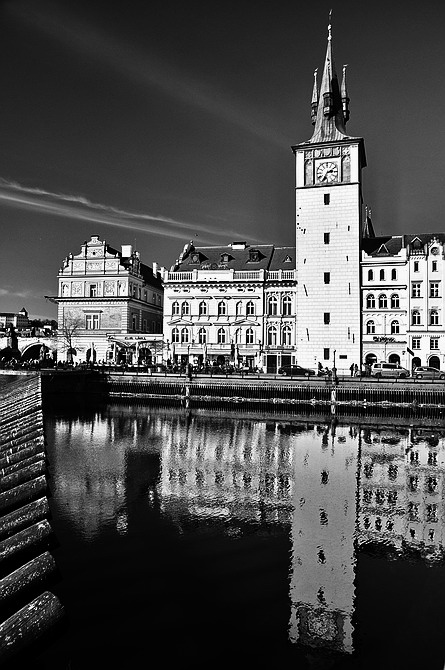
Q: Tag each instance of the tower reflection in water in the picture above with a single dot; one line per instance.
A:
(333, 488)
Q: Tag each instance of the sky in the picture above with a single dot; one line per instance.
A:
(154, 124)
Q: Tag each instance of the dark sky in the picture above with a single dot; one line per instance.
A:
(153, 123)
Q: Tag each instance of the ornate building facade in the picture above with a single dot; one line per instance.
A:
(231, 305)
(109, 305)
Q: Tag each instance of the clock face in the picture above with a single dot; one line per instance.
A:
(327, 172)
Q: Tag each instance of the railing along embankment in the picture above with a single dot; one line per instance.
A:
(28, 611)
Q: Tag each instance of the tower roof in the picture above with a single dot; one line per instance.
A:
(330, 106)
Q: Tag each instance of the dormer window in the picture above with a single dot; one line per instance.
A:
(194, 259)
(254, 256)
(288, 259)
(225, 258)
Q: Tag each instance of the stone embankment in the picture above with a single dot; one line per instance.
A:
(262, 392)
(28, 609)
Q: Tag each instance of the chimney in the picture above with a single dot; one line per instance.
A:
(155, 268)
(127, 250)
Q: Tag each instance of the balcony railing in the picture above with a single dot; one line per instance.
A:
(283, 275)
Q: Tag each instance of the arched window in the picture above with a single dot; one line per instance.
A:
(370, 301)
(175, 335)
(202, 308)
(394, 274)
(239, 308)
(395, 304)
(287, 305)
(434, 317)
(175, 309)
(286, 336)
(272, 336)
(370, 327)
(370, 275)
(415, 317)
(272, 306)
(184, 336)
(395, 328)
(250, 309)
(383, 302)
(202, 336)
(249, 336)
(185, 309)
(382, 275)
(222, 308)
(221, 336)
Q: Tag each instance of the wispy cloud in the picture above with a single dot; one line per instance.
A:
(147, 69)
(80, 208)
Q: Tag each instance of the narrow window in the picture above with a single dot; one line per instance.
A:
(370, 275)
(327, 277)
(326, 238)
(327, 317)
(327, 198)
(326, 354)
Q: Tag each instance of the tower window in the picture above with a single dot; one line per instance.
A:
(327, 198)
(326, 238)
(327, 277)
(327, 317)
(326, 354)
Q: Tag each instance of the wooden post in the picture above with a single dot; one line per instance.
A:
(31, 573)
(29, 623)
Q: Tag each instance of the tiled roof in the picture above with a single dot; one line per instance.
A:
(283, 258)
(233, 257)
(380, 246)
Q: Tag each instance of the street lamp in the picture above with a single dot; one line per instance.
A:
(334, 370)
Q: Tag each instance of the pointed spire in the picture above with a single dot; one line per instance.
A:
(344, 95)
(315, 97)
(368, 228)
(329, 122)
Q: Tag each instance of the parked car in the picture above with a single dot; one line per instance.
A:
(426, 372)
(389, 370)
(295, 371)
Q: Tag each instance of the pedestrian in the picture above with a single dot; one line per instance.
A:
(356, 369)
(352, 368)
(190, 371)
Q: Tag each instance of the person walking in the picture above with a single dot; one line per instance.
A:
(352, 368)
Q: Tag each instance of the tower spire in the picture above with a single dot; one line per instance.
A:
(344, 96)
(314, 103)
(329, 120)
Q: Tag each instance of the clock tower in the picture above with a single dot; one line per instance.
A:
(328, 229)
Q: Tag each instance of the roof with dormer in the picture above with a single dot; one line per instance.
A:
(390, 245)
(236, 256)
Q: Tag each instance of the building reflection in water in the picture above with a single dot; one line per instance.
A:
(334, 488)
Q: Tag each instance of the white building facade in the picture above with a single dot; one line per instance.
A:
(109, 305)
(231, 305)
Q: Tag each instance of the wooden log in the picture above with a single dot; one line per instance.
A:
(24, 539)
(23, 493)
(28, 624)
(23, 475)
(36, 434)
(36, 452)
(25, 516)
(21, 465)
(30, 574)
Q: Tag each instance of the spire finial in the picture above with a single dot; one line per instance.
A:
(330, 25)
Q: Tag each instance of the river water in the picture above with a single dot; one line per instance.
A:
(198, 539)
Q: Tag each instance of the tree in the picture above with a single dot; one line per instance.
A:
(67, 334)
